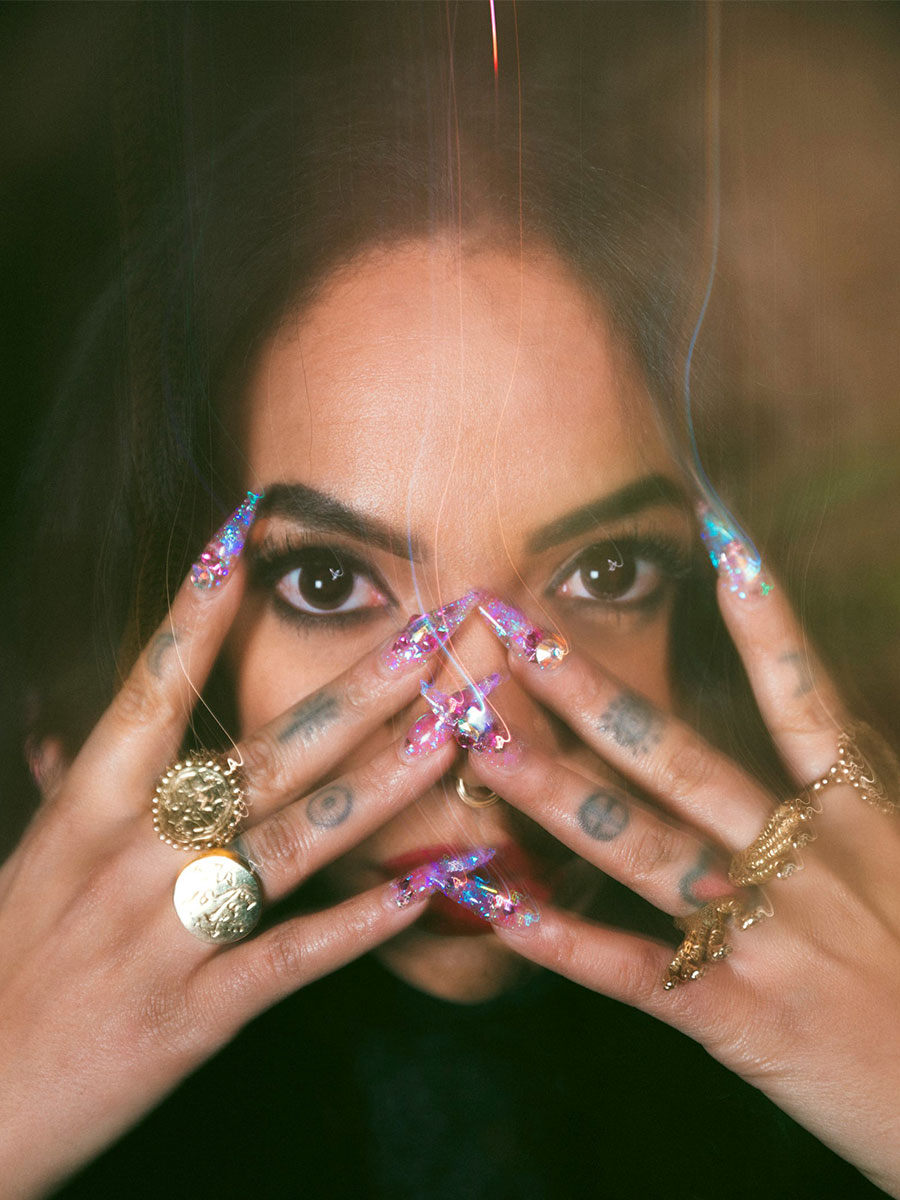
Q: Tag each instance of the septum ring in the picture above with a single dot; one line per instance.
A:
(476, 797)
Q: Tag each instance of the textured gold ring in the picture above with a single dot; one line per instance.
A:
(476, 797)
(199, 803)
(705, 937)
(218, 897)
(865, 761)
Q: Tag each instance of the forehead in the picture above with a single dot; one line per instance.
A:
(423, 377)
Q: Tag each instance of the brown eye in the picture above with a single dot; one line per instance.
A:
(611, 573)
(605, 572)
(323, 582)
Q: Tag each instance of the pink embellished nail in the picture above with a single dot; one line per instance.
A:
(428, 632)
(434, 876)
(463, 715)
(732, 553)
(518, 634)
(490, 899)
(214, 565)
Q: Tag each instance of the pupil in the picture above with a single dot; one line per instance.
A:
(606, 571)
(324, 581)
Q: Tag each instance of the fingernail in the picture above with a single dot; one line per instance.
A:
(732, 552)
(214, 565)
(466, 714)
(433, 876)
(425, 736)
(501, 748)
(491, 900)
(518, 634)
(427, 632)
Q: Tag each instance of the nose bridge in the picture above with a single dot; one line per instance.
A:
(473, 653)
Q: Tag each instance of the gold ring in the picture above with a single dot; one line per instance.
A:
(704, 942)
(218, 897)
(199, 803)
(865, 761)
(477, 797)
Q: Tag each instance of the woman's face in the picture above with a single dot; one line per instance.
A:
(478, 409)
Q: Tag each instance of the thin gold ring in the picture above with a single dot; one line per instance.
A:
(477, 797)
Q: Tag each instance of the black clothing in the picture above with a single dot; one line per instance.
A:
(360, 1086)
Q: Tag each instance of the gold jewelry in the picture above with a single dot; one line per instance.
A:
(218, 898)
(771, 855)
(199, 803)
(475, 797)
(865, 761)
(704, 940)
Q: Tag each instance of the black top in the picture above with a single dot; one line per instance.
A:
(360, 1086)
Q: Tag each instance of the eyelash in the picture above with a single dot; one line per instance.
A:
(672, 561)
(272, 563)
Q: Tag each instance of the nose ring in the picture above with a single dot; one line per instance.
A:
(476, 797)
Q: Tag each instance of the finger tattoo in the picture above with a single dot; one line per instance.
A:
(694, 875)
(310, 718)
(632, 723)
(800, 663)
(329, 806)
(158, 649)
(604, 815)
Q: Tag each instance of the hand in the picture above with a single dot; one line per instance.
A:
(106, 1001)
(808, 1007)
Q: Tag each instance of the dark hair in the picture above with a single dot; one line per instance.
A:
(380, 122)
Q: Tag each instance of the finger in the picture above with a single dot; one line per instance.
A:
(235, 985)
(669, 866)
(284, 758)
(298, 839)
(663, 755)
(622, 966)
(144, 726)
(798, 701)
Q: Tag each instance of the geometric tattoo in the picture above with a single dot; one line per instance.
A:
(329, 806)
(604, 815)
(632, 723)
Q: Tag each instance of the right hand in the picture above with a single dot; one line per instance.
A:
(106, 1001)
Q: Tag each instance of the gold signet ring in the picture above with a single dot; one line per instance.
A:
(218, 898)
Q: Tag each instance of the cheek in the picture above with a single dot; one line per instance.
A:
(641, 662)
(273, 666)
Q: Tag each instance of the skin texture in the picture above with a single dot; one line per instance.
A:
(438, 393)
(465, 402)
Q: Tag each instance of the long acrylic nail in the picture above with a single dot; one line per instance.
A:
(491, 900)
(732, 552)
(518, 634)
(214, 565)
(460, 715)
(434, 876)
(428, 632)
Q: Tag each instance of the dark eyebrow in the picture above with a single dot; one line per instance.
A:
(317, 510)
(648, 492)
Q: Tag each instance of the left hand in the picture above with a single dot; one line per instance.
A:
(808, 1007)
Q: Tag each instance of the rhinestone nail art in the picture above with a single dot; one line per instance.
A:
(215, 564)
(462, 715)
(428, 632)
(732, 553)
(434, 876)
(518, 634)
